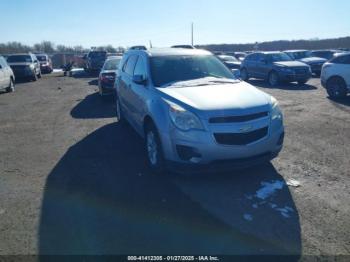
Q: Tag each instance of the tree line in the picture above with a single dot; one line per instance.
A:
(312, 44)
(50, 48)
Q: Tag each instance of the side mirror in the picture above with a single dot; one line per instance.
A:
(139, 79)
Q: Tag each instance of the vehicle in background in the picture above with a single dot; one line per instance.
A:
(45, 63)
(232, 63)
(326, 54)
(193, 114)
(275, 67)
(335, 76)
(183, 46)
(7, 78)
(25, 66)
(138, 47)
(107, 75)
(95, 61)
(240, 55)
(306, 57)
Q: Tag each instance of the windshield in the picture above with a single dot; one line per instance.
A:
(300, 54)
(170, 69)
(279, 57)
(111, 64)
(227, 58)
(19, 59)
(98, 54)
(41, 58)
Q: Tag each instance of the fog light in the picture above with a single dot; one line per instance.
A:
(188, 153)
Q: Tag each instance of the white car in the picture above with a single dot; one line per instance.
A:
(335, 76)
(7, 78)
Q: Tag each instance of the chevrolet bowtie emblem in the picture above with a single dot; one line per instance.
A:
(245, 129)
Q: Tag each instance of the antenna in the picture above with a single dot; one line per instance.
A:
(192, 34)
(150, 44)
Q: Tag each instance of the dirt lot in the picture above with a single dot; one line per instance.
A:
(73, 181)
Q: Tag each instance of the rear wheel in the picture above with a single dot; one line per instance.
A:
(244, 74)
(273, 79)
(336, 87)
(11, 87)
(154, 150)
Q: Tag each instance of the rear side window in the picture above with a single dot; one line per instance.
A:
(130, 65)
(345, 59)
(3, 63)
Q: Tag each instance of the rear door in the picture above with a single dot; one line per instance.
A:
(124, 88)
(252, 65)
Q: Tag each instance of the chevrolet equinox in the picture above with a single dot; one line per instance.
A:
(193, 114)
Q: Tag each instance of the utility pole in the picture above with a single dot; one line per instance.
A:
(192, 34)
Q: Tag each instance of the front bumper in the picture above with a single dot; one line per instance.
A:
(285, 77)
(209, 154)
(22, 73)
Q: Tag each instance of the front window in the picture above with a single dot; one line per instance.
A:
(41, 58)
(169, 69)
(19, 59)
(97, 54)
(278, 57)
(111, 64)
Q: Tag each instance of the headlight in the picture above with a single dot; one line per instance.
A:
(31, 66)
(286, 70)
(276, 113)
(182, 118)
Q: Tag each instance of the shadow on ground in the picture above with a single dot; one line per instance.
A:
(285, 86)
(94, 106)
(341, 101)
(100, 198)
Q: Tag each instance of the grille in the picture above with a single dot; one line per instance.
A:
(235, 119)
(18, 67)
(240, 139)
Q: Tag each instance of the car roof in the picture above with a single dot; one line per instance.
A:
(114, 57)
(155, 52)
(20, 54)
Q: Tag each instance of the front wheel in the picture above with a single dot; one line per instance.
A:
(336, 88)
(273, 79)
(34, 77)
(39, 75)
(154, 150)
(11, 87)
(302, 82)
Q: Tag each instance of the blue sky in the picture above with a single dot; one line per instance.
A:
(165, 22)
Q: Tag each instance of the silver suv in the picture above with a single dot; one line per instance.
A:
(193, 114)
(25, 66)
(7, 78)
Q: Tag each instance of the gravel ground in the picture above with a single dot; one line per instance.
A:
(73, 181)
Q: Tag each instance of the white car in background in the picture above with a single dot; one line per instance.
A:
(7, 78)
(335, 76)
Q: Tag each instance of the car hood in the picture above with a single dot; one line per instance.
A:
(219, 99)
(290, 63)
(312, 60)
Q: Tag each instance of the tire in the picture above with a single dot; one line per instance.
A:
(336, 87)
(273, 79)
(244, 74)
(39, 75)
(119, 111)
(302, 82)
(153, 148)
(11, 87)
(34, 77)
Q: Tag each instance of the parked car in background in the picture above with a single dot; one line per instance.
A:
(240, 55)
(95, 61)
(107, 75)
(232, 63)
(7, 78)
(335, 76)
(192, 112)
(307, 57)
(45, 63)
(183, 46)
(275, 67)
(25, 66)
